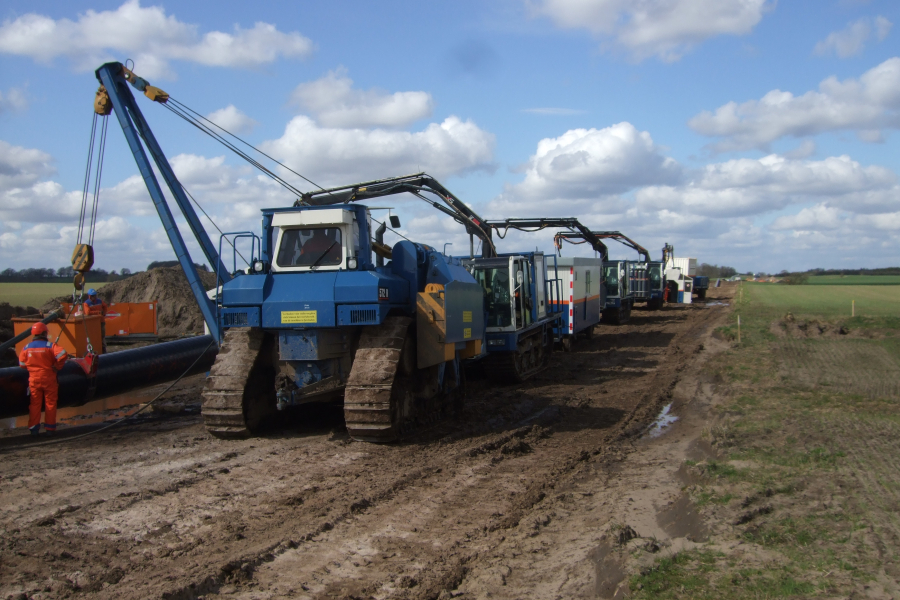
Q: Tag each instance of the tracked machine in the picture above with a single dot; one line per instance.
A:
(325, 311)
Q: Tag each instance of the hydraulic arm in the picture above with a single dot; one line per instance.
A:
(415, 184)
(613, 235)
(536, 224)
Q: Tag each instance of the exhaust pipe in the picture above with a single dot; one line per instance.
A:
(117, 373)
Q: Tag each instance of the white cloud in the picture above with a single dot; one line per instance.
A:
(334, 103)
(813, 218)
(745, 187)
(13, 100)
(869, 104)
(149, 36)
(851, 40)
(232, 119)
(663, 28)
(333, 156)
(21, 167)
(586, 165)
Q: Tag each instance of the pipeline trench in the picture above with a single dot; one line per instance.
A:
(506, 501)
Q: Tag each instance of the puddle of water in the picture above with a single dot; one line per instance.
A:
(662, 422)
(716, 303)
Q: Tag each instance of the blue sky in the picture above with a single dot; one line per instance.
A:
(751, 133)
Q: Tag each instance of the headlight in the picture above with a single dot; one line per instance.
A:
(496, 342)
(351, 263)
(258, 266)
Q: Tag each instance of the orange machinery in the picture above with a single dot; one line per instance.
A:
(76, 333)
(129, 320)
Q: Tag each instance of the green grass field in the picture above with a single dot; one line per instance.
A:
(854, 280)
(803, 486)
(774, 300)
(35, 294)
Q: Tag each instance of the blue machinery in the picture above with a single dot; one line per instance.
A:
(314, 317)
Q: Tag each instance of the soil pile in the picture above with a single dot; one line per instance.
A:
(177, 311)
(7, 312)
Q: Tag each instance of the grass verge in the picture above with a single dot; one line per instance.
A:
(802, 498)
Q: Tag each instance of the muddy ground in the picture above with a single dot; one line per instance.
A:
(521, 497)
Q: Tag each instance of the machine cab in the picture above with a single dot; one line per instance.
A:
(616, 275)
(317, 240)
(513, 286)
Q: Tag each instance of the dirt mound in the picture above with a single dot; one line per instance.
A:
(7, 312)
(178, 313)
(789, 326)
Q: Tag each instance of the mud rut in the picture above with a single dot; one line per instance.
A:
(161, 509)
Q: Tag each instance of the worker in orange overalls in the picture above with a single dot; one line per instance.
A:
(43, 359)
(95, 306)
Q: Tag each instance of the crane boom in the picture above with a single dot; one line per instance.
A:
(112, 77)
(538, 223)
(415, 184)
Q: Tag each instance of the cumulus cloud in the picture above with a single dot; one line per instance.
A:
(335, 156)
(867, 105)
(232, 119)
(663, 28)
(745, 187)
(585, 166)
(335, 103)
(22, 166)
(851, 40)
(148, 35)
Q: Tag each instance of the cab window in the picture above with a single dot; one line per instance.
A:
(315, 246)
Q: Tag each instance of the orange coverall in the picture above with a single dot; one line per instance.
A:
(42, 359)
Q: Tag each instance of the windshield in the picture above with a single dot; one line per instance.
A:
(495, 283)
(317, 246)
(612, 279)
(655, 277)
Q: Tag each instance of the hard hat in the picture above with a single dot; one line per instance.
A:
(38, 329)
(92, 292)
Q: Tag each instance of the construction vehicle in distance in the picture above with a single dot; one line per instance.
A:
(647, 280)
(626, 281)
(679, 284)
(699, 284)
(578, 282)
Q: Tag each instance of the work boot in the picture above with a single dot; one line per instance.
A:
(34, 430)
(49, 429)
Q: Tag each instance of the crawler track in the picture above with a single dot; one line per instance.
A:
(234, 398)
(378, 396)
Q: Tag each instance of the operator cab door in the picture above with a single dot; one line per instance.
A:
(540, 285)
(523, 300)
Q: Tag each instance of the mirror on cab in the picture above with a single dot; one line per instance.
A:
(395, 221)
(519, 277)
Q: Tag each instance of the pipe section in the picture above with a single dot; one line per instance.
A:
(117, 373)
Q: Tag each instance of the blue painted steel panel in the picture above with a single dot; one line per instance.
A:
(307, 298)
(359, 287)
(245, 290)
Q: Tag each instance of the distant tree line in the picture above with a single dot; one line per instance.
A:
(65, 274)
(715, 271)
(882, 271)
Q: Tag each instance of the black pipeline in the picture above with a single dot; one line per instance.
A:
(117, 373)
